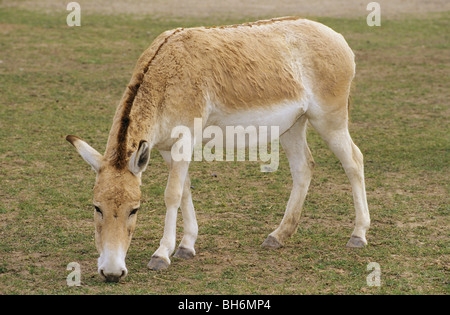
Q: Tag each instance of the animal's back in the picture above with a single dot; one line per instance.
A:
(262, 63)
(253, 64)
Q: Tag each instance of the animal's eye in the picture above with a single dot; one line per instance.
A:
(133, 211)
(97, 209)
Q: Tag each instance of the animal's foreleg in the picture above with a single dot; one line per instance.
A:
(186, 249)
(172, 197)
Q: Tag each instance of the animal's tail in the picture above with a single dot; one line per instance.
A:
(350, 97)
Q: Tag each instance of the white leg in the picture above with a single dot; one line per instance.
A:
(301, 164)
(172, 197)
(186, 249)
(338, 138)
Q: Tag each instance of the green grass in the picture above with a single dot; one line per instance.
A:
(56, 80)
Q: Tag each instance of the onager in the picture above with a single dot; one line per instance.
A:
(282, 72)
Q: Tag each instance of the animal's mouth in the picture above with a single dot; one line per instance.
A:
(112, 278)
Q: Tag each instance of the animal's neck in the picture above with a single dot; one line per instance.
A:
(137, 112)
(130, 126)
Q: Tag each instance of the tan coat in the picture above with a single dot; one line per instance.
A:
(240, 67)
(282, 72)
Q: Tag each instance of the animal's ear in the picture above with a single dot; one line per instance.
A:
(139, 160)
(88, 153)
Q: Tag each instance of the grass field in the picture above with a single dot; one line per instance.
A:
(56, 80)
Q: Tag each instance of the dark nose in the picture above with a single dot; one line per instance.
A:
(113, 277)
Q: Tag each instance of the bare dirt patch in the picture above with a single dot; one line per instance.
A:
(240, 9)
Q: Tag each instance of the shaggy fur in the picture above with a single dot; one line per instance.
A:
(238, 67)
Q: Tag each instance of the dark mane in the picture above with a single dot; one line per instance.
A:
(120, 157)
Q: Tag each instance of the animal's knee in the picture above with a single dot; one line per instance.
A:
(172, 197)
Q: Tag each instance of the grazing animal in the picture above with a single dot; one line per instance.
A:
(281, 72)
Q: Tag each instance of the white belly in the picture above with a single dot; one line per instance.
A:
(256, 126)
(281, 116)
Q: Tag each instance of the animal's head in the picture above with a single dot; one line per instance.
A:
(116, 201)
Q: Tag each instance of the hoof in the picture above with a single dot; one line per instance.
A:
(157, 263)
(356, 242)
(271, 242)
(184, 253)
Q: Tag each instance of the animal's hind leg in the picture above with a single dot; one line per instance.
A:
(334, 130)
(301, 164)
